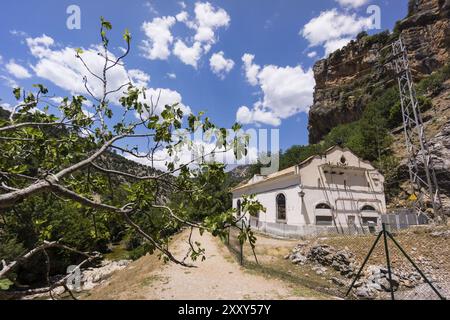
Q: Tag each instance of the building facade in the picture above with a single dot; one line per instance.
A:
(335, 192)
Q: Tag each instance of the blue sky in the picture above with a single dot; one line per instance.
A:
(272, 89)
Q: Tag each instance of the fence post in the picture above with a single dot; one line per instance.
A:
(388, 261)
(242, 253)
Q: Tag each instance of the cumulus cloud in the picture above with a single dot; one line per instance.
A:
(333, 29)
(286, 92)
(207, 20)
(160, 43)
(62, 68)
(159, 38)
(352, 3)
(312, 54)
(138, 77)
(39, 46)
(188, 55)
(257, 115)
(182, 16)
(251, 69)
(17, 70)
(220, 65)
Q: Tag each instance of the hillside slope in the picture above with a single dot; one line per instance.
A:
(347, 79)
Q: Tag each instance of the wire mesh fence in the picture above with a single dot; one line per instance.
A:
(234, 245)
(419, 262)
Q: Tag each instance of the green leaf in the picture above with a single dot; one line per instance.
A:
(16, 93)
(5, 284)
(127, 36)
(106, 24)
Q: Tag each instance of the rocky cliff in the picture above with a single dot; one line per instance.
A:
(346, 80)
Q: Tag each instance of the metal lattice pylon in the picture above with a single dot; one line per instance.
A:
(423, 180)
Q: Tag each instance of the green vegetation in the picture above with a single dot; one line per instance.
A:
(433, 84)
(62, 184)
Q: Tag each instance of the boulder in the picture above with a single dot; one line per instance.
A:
(365, 292)
(338, 282)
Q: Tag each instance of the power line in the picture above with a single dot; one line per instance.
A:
(415, 139)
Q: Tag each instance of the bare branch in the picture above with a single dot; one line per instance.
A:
(46, 245)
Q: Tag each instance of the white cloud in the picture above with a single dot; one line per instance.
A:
(182, 16)
(1, 59)
(286, 92)
(18, 33)
(122, 49)
(251, 70)
(62, 68)
(6, 106)
(138, 77)
(207, 20)
(8, 82)
(39, 46)
(220, 65)
(193, 151)
(150, 7)
(312, 54)
(171, 75)
(333, 29)
(17, 70)
(56, 100)
(188, 55)
(159, 98)
(257, 115)
(352, 3)
(159, 38)
(333, 45)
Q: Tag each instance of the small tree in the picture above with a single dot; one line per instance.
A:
(64, 156)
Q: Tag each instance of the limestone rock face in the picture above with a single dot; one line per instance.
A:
(347, 79)
(440, 151)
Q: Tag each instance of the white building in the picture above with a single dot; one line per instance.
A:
(335, 192)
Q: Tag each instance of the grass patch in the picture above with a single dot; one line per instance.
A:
(119, 252)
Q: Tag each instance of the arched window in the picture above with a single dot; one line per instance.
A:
(368, 208)
(323, 206)
(281, 207)
(238, 205)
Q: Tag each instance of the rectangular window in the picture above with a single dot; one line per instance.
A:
(366, 221)
(324, 221)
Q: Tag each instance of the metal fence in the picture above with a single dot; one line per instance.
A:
(234, 245)
(397, 221)
(417, 256)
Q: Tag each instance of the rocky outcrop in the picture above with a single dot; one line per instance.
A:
(349, 77)
(440, 150)
(92, 277)
(342, 261)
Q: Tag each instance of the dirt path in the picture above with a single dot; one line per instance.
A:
(218, 277)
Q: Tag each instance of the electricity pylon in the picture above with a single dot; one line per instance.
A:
(423, 180)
